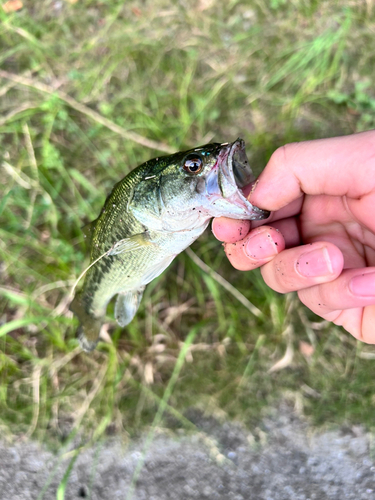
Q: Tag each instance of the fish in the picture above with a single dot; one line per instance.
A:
(154, 213)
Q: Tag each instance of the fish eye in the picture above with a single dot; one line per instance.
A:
(193, 164)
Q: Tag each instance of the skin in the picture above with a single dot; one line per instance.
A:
(320, 238)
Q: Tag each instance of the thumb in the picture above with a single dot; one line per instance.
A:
(338, 166)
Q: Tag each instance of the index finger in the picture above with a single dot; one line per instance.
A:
(338, 166)
(232, 230)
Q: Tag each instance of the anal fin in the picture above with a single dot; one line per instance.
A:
(127, 304)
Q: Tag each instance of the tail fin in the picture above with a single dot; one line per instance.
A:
(89, 329)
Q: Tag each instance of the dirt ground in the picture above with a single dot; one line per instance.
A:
(282, 459)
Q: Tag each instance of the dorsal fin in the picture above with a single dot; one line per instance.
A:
(88, 232)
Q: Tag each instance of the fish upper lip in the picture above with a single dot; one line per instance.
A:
(239, 144)
(226, 162)
(225, 165)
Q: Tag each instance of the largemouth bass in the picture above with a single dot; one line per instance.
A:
(152, 215)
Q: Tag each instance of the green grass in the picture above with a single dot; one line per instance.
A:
(90, 90)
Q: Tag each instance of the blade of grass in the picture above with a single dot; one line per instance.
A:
(132, 136)
(163, 405)
(19, 323)
(224, 283)
(60, 494)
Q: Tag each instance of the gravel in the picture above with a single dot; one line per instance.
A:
(282, 459)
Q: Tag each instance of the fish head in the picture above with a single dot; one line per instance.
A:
(193, 186)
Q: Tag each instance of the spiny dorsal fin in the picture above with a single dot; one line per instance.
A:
(88, 232)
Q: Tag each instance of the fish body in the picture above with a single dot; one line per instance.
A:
(152, 215)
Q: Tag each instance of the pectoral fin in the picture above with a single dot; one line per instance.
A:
(157, 269)
(135, 242)
(127, 304)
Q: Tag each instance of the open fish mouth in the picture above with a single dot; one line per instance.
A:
(238, 164)
(232, 175)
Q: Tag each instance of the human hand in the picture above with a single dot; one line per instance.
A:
(320, 237)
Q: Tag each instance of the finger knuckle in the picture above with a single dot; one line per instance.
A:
(318, 298)
(281, 156)
(274, 276)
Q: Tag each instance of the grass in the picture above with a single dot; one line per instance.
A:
(89, 90)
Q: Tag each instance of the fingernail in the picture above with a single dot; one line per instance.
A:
(260, 246)
(363, 285)
(315, 263)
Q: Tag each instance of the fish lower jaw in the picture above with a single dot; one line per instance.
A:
(194, 220)
(234, 207)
